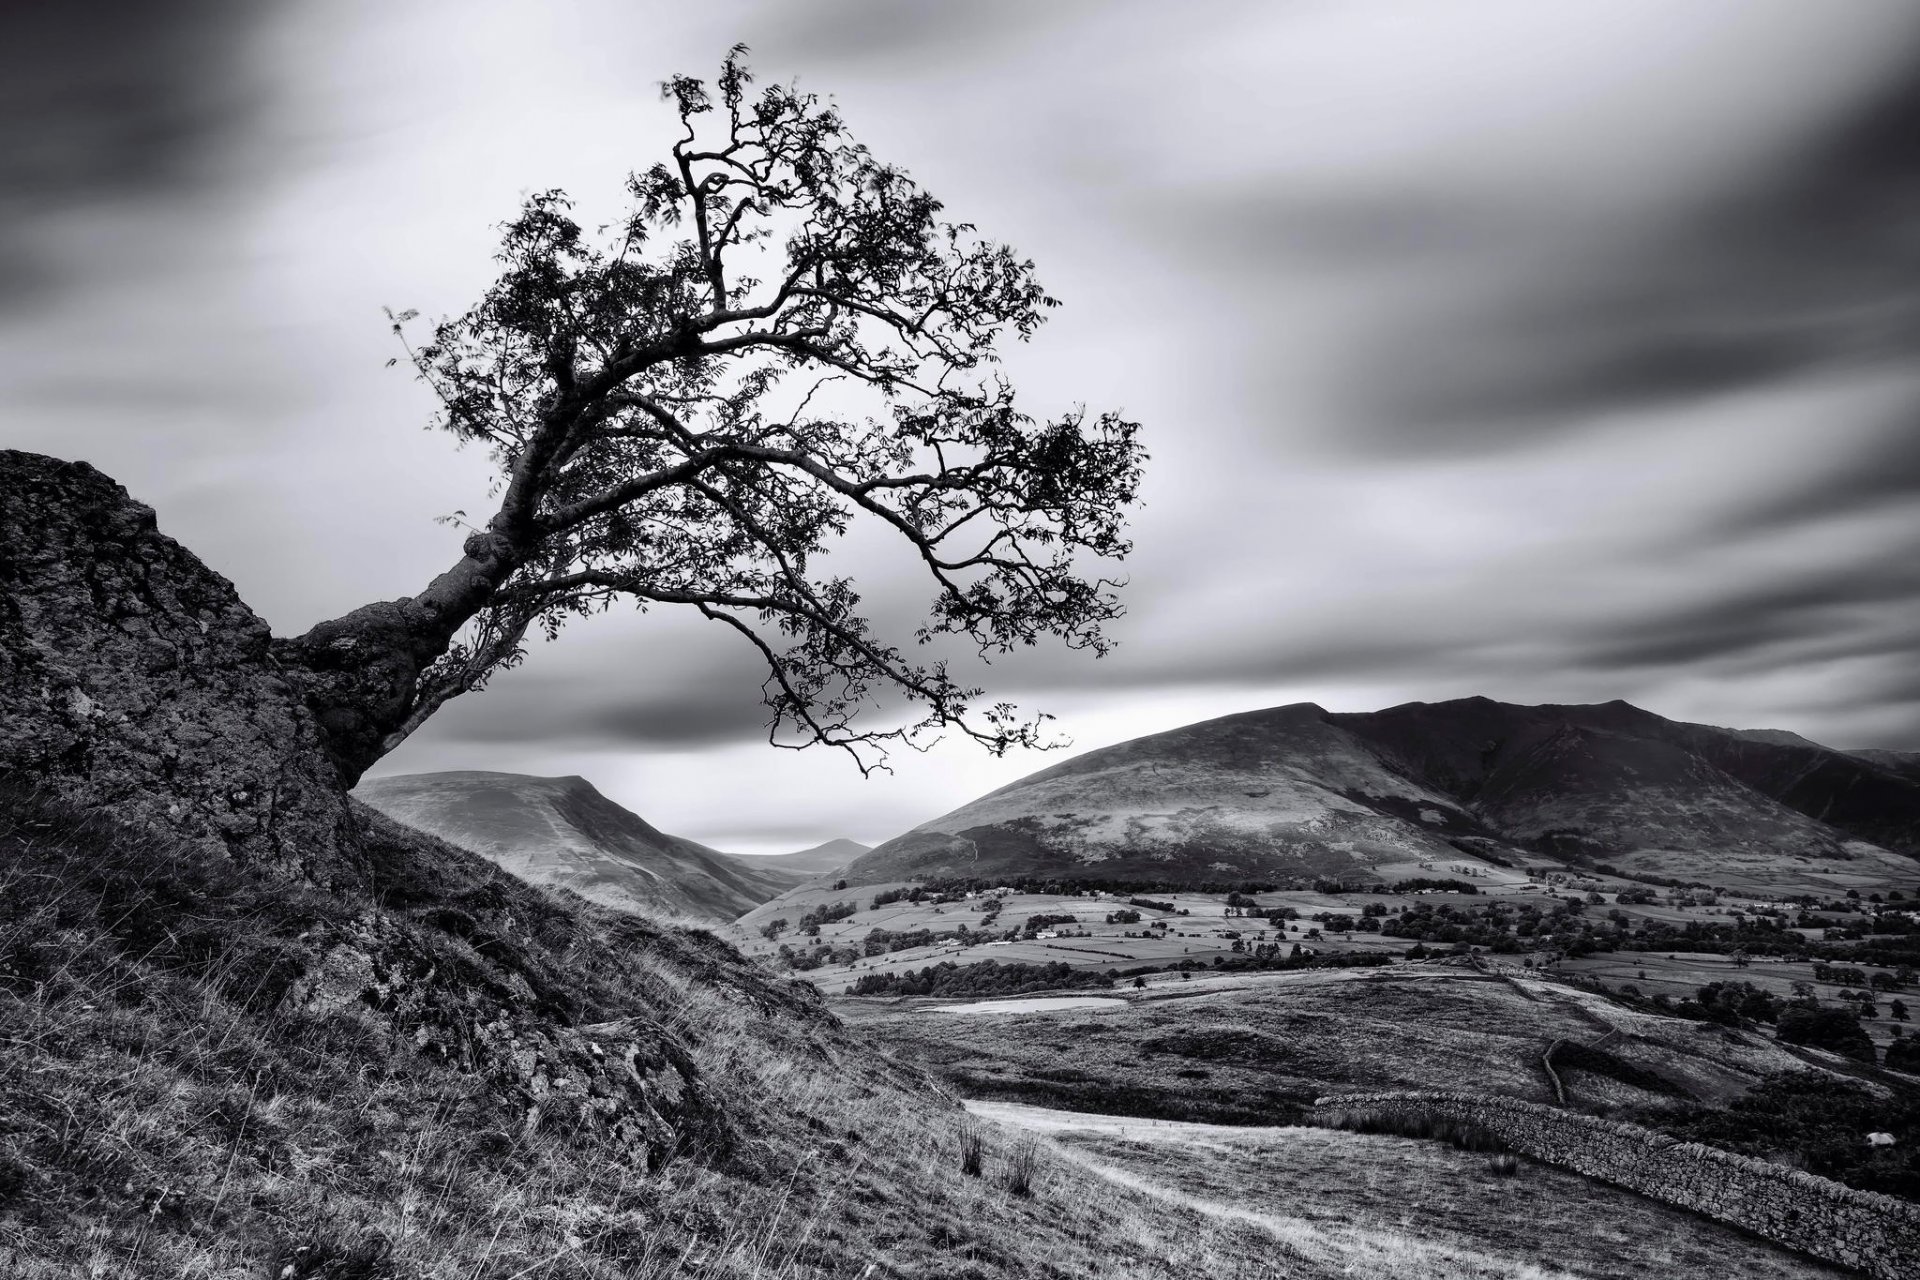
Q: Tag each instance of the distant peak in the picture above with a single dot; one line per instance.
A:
(1291, 711)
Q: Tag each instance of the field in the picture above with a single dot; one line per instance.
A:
(1253, 1048)
(1201, 930)
(1682, 973)
(1375, 1206)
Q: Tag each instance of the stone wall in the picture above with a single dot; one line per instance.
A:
(1874, 1234)
(133, 678)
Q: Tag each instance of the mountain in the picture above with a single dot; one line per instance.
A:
(1906, 764)
(1297, 790)
(820, 860)
(560, 831)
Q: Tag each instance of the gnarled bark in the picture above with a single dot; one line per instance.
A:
(370, 676)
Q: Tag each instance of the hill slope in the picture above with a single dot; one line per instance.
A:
(1296, 791)
(448, 1073)
(560, 831)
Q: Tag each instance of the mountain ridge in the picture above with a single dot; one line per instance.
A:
(1297, 790)
(821, 859)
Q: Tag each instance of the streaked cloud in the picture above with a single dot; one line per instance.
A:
(1552, 353)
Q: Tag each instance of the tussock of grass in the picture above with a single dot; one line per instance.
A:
(972, 1144)
(454, 1076)
(1461, 1135)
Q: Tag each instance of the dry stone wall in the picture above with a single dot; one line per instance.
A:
(134, 679)
(1874, 1234)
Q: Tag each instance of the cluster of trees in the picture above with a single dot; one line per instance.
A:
(1570, 927)
(990, 977)
(1072, 886)
(1665, 882)
(1802, 1020)
(1501, 927)
(1848, 975)
(1442, 883)
(826, 913)
(1818, 1120)
(1837, 1030)
(879, 942)
(1274, 956)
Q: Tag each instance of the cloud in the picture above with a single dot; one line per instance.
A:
(1484, 347)
(1808, 264)
(109, 103)
(568, 706)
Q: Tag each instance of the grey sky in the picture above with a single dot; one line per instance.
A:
(1550, 352)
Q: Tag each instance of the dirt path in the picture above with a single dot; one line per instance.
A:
(1046, 1120)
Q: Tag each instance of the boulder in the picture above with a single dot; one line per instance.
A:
(134, 679)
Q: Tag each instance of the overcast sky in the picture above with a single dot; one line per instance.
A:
(1552, 352)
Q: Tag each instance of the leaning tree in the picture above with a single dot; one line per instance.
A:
(689, 407)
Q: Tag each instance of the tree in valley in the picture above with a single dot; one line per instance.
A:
(1836, 1030)
(782, 338)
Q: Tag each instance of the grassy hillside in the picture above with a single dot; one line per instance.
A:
(1405, 1208)
(564, 833)
(1254, 1049)
(455, 1074)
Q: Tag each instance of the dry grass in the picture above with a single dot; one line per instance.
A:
(1255, 1049)
(1388, 1207)
(166, 1109)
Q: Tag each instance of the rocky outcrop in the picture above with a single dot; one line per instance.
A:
(1874, 1234)
(134, 679)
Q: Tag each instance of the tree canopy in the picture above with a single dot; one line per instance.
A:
(690, 406)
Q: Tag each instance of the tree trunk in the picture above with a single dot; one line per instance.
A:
(361, 673)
